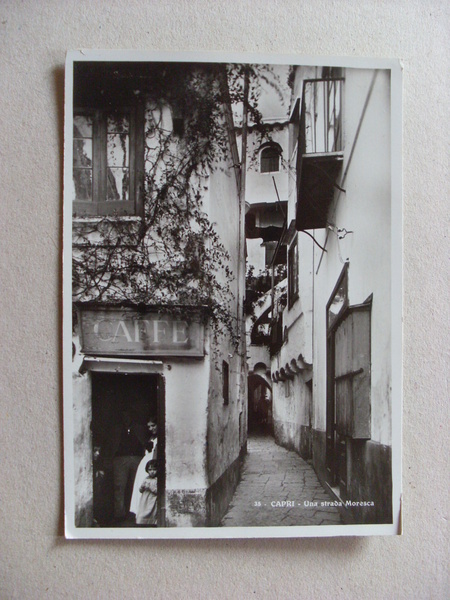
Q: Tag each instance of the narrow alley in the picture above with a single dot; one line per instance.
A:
(278, 487)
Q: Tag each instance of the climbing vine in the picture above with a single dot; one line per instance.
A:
(171, 256)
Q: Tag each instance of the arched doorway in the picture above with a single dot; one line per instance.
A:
(260, 418)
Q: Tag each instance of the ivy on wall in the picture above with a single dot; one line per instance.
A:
(171, 256)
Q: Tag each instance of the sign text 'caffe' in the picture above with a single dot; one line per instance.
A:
(122, 332)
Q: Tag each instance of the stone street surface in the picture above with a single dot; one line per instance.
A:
(278, 488)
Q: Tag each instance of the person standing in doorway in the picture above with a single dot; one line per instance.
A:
(130, 440)
(146, 514)
(151, 453)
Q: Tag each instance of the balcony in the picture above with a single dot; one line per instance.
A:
(319, 151)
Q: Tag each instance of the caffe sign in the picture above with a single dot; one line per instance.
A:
(122, 332)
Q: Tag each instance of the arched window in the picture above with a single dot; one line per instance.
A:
(270, 158)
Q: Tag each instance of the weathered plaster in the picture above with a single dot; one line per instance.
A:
(186, 419)
(82, 442)
(365, 210)
(224, 435)
(259, 186)
(292, 415)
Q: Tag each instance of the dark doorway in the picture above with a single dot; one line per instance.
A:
(260, 418)
(140, 397)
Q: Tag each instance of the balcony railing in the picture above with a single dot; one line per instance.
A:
(321, 114)
(320, 150)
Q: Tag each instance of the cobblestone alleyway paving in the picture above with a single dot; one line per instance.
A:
(275, 489)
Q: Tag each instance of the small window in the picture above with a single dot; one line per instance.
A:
(293, 273)
(270, 159)
(226, 382)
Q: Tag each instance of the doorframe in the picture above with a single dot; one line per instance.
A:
(161, 449)
(331, 444)
(123, 366)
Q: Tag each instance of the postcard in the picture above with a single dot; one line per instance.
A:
(232, 296)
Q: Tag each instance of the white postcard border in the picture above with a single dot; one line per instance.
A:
(394, 66)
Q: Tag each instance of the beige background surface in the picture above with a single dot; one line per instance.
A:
(35, 560)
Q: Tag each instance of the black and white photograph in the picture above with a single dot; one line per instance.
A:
(232, 296)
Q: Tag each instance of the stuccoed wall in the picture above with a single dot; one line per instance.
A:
(259, 186)
(186, 418)
(223, 432)
(36, 560)
(363, 209)
(82, 449)
(371, 242)
(291, 415)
